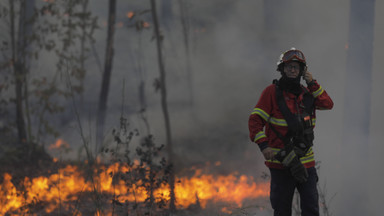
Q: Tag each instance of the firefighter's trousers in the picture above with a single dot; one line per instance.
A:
(283, 186)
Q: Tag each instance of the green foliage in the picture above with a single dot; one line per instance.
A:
(62, 30)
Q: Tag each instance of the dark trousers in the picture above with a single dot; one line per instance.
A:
(283, 186)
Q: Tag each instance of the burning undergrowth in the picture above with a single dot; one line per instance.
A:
(122, 182)
(121, 188)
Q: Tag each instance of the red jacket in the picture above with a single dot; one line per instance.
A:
(267, 109)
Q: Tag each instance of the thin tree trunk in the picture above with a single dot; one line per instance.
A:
(28, 31)
(107, 74)
(83, 38)
(186, 27)
(359, 69)
(18, 75)
(164, 105)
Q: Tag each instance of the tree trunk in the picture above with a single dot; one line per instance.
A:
(106, 75)
(164, 106)
(29, 13)
(83, 40)
(359, 68)
(186, 28)
(358, 104)
(18, 56)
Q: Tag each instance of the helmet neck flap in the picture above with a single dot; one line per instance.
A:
(291, 85)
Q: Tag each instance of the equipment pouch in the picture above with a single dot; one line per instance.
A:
(306, 120)
(298, 171)
(303, 141)
(308, 136)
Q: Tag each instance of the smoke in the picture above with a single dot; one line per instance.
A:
(233, 58)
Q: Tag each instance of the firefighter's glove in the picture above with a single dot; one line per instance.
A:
(291, 162)
(298, 171)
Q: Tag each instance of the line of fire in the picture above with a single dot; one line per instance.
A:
(68, 189)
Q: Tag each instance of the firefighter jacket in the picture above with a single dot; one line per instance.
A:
(266, 113)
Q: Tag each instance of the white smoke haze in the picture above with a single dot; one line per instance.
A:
(233, 58)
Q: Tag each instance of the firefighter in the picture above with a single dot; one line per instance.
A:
(282, 124)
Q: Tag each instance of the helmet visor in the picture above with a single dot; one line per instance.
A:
(293, 54)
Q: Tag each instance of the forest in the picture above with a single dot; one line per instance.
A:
(140, 107)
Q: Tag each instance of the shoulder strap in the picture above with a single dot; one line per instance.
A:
(308, 101)
(292, 121)
(286, 139)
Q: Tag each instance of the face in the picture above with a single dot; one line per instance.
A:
(292, 69)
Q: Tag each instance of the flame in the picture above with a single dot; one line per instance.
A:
(65, 186)
(146, 25)
(59, 144)
(130, 14)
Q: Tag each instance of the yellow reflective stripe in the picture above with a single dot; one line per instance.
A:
(318, 92)
(273, 120)
(275, 150)
(259, 135)
(266, 117)
(310, 151)
(261, 113)
(313, 121)
(280, 122)
(309, 157)
(289, 158)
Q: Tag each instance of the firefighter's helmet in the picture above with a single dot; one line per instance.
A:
(292, 54)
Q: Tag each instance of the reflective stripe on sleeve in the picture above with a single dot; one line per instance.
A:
(318, 92)
(266, 117)
(273, 120)
(280, 122)
(259, 135)
(261, 113)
